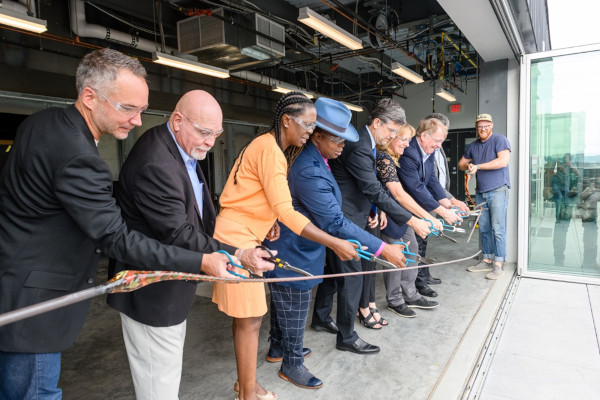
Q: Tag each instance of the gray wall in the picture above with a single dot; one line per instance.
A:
(493, 92)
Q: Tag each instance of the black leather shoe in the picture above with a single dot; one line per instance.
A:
(427, 291)
(422, 303)
(330, 327)
(358, 347)
(433, 281)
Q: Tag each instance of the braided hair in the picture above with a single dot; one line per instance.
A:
(292, 103)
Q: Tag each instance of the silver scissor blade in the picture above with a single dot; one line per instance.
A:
(385, 264)
(448, 237)
(296, 270)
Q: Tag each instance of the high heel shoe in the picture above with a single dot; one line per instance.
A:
(369, 321)
(267, 396)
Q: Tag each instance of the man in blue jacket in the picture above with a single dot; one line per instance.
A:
(315, 194)
(419, 178)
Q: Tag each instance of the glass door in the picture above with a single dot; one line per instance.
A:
(560, 165)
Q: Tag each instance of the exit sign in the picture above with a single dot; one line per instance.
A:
(455, 108)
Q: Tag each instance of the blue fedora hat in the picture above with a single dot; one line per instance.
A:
(334, 117)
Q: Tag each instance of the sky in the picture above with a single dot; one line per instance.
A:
(573, 22)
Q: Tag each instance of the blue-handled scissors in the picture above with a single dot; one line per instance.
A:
(439, 233)
(365, 255)
(451, 228)
(233, 263)
(409, 253)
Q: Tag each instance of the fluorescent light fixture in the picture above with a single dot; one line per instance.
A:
(22, 21)
(255, 53)
(329, 29)
(445, 95)
(283, 88)
(353, 107)
(406, 73)
(188, 65)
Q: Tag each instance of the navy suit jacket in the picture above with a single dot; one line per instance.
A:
(157, 199)
(316, 195)
(354, 172)
(423, 186)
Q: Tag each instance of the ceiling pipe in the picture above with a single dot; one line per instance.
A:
(80, 27)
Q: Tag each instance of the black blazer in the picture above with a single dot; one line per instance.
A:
(57, 214)
(354, 172)
(423, 186)
(157, 199)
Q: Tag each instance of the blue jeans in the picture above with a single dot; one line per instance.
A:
(29, 376)
(492, 223)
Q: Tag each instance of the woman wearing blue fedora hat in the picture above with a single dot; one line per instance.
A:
(316, 195)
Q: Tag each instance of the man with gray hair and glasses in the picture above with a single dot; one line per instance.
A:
(355, 173)
(57, 215)
(440, 161)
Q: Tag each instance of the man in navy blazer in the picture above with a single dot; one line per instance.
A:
(417, 170)
(419, 179)
(163, 194)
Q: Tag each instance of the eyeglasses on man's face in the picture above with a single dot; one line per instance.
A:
(484, 127)
(203, 132)
(305, 125)
(129, 111)
(335, 139)
(435, 140)
(392, 130)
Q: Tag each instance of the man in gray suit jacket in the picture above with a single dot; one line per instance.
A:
(57, 215)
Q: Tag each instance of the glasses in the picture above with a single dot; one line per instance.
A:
(308, 127)
(127, 110)
(438, 141)
(203, 132)
(335, 139)
(394, 131)
(483, 127)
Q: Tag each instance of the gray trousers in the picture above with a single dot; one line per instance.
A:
(400, 285)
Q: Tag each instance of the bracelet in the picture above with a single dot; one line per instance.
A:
(239, 256)
(478, 167)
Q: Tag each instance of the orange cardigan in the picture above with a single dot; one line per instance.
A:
(261, 195)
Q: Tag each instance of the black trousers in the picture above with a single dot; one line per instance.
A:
(423, 274)
(368, 289)
(348, 295)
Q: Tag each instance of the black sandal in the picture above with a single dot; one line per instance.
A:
(369, 321)
(382, 320)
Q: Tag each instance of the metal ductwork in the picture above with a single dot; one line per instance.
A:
(225, 45)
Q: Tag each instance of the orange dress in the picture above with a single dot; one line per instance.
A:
(248, 211)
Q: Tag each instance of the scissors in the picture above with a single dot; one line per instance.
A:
(279, 263)
(365, 255)
(437, 232)
(451, 228)
(417, 257)
(233, 263)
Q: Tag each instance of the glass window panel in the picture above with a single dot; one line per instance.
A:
(564, 165)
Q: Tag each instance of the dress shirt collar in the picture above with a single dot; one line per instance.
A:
(371, 136)
(425, 156)
(184, 156)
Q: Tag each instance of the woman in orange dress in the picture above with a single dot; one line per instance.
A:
(255, 196)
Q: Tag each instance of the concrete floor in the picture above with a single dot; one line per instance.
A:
(550, 345)
(418, 358)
